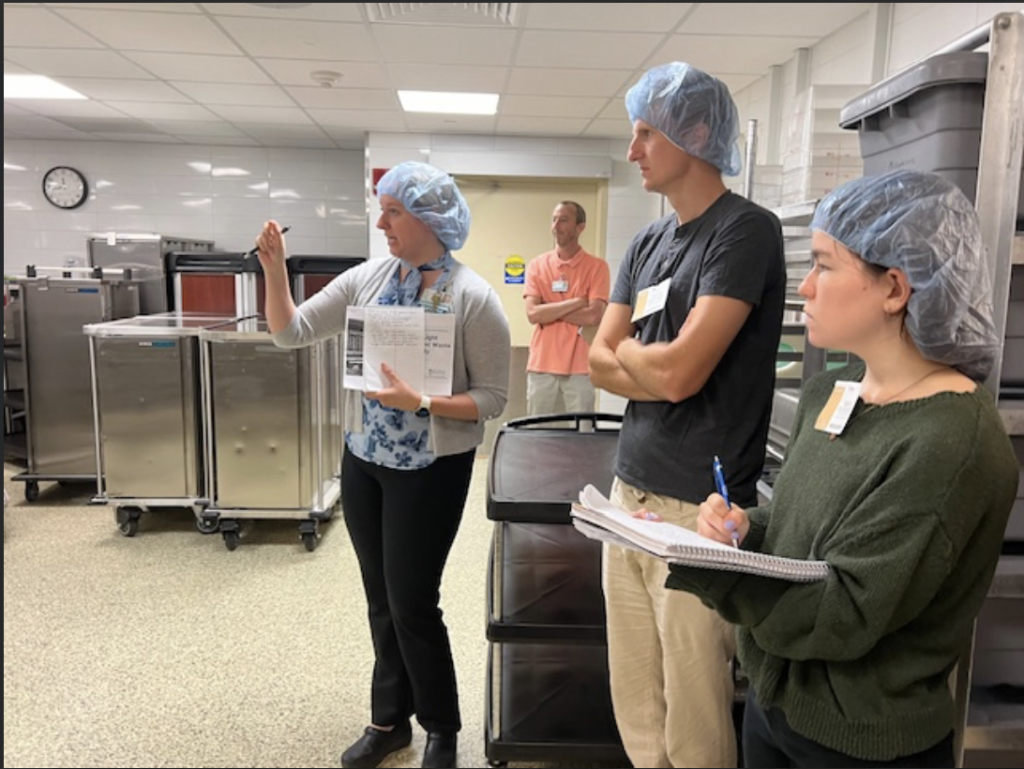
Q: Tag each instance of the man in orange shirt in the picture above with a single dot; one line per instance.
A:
(566, 292)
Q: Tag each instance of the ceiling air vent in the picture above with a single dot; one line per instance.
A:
(494, 14)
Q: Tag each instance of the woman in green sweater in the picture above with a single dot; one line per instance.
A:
(906, 496)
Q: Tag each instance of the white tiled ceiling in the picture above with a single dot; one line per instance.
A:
(240, 73)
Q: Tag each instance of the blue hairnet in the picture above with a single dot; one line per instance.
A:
(676, 98)
(431, 196)
(925, 226)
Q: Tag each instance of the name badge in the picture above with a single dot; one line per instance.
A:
(436, 301)
(651, 300)
(836, 412)
(560, 286)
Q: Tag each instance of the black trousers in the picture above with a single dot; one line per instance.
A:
(402, 524)
(769, 742)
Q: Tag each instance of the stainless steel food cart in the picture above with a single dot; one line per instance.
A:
(147, 414)
(272, 429)
(53, 356)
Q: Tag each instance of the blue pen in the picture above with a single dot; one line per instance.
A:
(723, 490)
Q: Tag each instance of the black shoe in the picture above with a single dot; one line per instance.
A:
(440, 751)
(375, 745)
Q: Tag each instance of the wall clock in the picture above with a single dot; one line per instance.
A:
(65, 187)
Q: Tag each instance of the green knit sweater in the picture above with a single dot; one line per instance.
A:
(909, 506)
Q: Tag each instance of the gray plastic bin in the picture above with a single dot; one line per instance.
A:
(926, 117)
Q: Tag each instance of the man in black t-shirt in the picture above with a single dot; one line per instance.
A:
(690, 338)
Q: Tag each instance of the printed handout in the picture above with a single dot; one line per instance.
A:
(418, 345)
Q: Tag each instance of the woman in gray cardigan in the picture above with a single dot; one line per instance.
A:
(408, 456)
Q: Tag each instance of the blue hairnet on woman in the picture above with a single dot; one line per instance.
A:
(905, 496)
(409, 454)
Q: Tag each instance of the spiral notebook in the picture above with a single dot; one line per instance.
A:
(598, 518)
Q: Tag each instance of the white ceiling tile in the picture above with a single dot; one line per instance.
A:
(354, 74)
(462, 124)
(550, 126)
(126, 90)
(236, 94)
(69, 107)
(39, 28)
(768, 19)
(445, 45)
(164, 111)
(165, 7)
(553, 106)
(314, 11)
(369, 120)
(117, 136)
(200, 68)
(617, 129)
(301, 39)
(581, 82)
(212, 127)
(344, 98)
(217, 139)
(590, 50)
(210, 70)
(132, 31)
(607, 17)
(10, 68)
(448, 77)
(77, 63)
(734, 54)
(276, 130)
(240, 114)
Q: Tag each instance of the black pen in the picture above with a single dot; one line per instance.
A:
(255, 250)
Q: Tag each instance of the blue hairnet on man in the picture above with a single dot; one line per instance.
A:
(693, 109)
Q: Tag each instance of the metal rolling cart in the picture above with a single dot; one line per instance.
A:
(56, 401)
(272, 429)
(147, 415)
(144, 253)
(547, 688)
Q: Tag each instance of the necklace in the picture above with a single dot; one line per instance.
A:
(870, 406)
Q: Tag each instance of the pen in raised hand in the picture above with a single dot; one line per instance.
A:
(723, 491)
(255, 250)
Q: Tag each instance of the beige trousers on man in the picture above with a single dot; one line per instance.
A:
(542, 390)
(670, 656)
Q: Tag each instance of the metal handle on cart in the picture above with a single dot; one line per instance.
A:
(577, 418)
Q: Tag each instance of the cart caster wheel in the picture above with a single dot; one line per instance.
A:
(31, 491)
(310, 539)
(207, 525)
(498, 764)
(127, 521)
(231, 540)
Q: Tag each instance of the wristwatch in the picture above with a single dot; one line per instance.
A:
(424, 409)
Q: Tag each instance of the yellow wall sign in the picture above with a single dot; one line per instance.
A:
(515, 269)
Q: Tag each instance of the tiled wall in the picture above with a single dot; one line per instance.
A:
(222, 194)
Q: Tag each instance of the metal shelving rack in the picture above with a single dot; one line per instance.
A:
(987, 735)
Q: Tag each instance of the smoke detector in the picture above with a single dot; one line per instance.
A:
(325, 78)
(490, 14)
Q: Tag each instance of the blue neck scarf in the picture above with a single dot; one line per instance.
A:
(405, 293)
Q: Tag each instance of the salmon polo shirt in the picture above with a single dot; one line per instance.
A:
(559, 348)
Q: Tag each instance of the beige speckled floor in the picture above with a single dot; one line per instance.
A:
(167, 650)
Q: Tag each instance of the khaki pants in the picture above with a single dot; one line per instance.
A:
(670, 656)
(542, 393)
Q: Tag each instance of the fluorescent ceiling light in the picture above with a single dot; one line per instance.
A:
(449, 103)
(36, 87)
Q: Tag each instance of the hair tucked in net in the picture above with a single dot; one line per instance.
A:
(676, 98)
(431, 196)
(925, 226)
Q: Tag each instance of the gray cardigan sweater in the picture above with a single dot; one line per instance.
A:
(482, 345)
